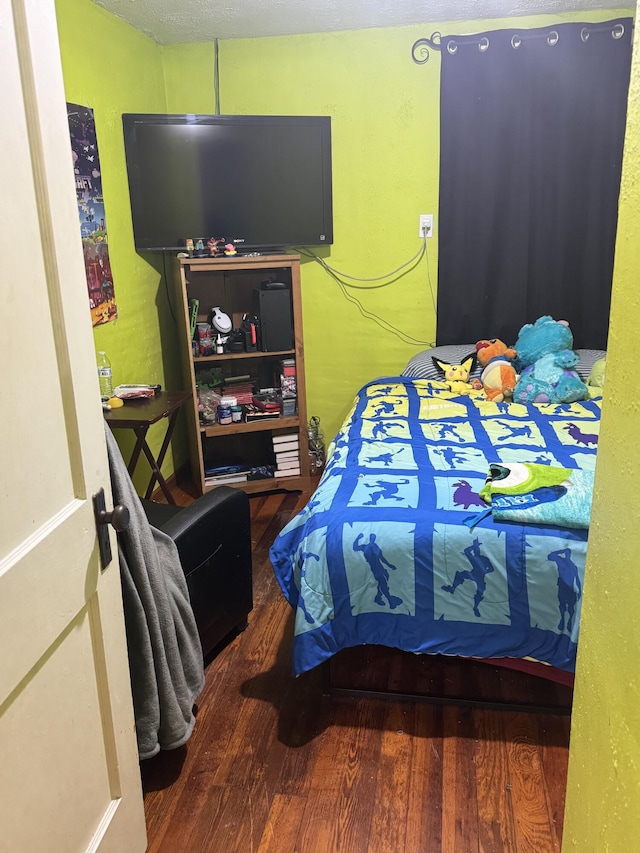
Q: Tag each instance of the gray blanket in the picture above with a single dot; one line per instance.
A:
(165, 656)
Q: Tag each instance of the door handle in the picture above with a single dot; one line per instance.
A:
(119, 518)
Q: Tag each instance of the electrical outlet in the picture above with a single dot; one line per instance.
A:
(426, 225)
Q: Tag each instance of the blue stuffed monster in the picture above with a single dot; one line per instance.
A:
(545, 362)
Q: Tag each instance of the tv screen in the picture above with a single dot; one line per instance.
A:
(259, 182)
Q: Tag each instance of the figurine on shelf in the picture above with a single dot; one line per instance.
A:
(215, 246)
(230, 249)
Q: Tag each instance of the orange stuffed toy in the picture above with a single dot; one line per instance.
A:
(498, 378)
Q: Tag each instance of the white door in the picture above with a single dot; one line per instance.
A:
(69, 773)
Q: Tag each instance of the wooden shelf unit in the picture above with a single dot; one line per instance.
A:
(229, 283)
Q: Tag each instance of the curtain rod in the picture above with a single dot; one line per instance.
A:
(420, 48)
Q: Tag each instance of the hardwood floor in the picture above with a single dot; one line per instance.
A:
(273, 766)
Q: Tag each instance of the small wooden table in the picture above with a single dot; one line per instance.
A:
(138, 415)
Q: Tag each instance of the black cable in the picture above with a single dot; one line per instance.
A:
(166, 286)
(216, 82)
(370, 315)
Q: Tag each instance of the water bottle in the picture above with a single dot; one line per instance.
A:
(104, 374)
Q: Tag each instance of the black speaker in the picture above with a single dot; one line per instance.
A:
(273, 308)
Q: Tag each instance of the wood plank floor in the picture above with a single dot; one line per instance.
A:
(274, 766)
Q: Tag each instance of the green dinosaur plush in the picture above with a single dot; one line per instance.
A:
(596, 377)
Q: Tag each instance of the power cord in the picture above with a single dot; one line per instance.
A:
(399, 269)
(433, 296)
(398, 273)
(166, 285)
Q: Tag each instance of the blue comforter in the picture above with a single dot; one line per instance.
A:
(381, 554)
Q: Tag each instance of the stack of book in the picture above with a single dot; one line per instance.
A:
(240, 387)
(286, 447)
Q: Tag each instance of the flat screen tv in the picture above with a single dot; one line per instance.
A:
(259, 182)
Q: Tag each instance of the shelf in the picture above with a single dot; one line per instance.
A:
(255, 426)
(231, 355)
(232, 283)
(234, 262)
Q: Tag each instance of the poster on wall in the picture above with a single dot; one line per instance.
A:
(93, 224)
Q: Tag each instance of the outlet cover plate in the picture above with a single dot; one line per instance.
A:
(426, 224)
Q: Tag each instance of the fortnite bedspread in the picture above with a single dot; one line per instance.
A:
(381, 554)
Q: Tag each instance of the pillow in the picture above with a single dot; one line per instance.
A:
(588, 358)
(421, 365)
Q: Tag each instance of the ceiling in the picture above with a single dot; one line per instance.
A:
(180, 21)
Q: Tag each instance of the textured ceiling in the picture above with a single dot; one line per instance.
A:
(178, 21)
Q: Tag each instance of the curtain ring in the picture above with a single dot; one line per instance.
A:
(553, 38)
(516, 41)
(584, 34)
(618, 31)
(452, 47)
(483, 44)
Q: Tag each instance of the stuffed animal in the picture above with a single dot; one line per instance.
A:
(498, 379)
(595, 380)
(456, 376)
(545, 360)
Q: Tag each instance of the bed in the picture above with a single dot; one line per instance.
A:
(394, 548)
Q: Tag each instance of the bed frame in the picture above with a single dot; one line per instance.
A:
(529, 668)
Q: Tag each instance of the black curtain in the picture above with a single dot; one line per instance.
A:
(532, 130)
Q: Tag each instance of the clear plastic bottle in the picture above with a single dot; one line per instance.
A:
(104, 374)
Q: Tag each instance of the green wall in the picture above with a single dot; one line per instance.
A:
(603, 792)
(113, 68)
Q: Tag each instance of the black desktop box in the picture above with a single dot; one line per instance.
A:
(272, 304)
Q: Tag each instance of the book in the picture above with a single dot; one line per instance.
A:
(285, 437)
(287, 454)
(287, 464)
(225, 479)
(288, 472)
(282, 448)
